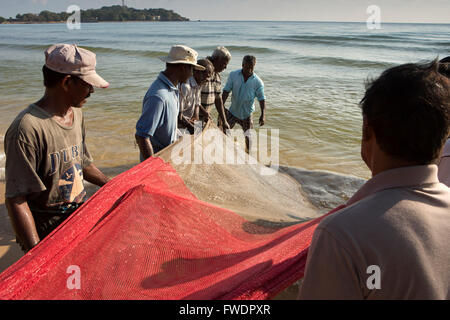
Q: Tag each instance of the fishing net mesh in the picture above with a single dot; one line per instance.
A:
(172, 229)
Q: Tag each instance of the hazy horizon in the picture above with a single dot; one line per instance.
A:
(287, 21)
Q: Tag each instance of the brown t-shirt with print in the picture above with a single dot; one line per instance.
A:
(45, 160)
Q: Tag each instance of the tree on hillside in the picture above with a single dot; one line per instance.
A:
(50, 16)
(112, 13)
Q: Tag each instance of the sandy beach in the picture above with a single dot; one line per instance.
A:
(9, 251)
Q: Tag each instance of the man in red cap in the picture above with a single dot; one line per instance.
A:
(46, 154)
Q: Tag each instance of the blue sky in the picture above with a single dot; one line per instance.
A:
(431, 11)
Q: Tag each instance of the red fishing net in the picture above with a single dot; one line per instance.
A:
(146, 236)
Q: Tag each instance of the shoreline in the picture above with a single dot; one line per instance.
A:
(64, 22)
(271, 21)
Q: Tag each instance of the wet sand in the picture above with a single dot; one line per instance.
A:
(10, 252)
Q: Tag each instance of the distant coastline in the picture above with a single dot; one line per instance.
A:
(105, 14)
(56, 22)
(13, 21)
(32, 22)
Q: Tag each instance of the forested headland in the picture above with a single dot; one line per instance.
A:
(104, 14)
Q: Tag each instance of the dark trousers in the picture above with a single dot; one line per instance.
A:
(48, 220)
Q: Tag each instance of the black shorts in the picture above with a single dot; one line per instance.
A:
(48, 220)
(246, 124)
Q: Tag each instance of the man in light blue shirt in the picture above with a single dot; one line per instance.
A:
(157, 126)
(246, 86)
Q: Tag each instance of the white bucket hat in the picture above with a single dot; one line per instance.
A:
(70, 59)
(182, 54)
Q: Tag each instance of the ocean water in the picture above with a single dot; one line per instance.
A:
(314, 75)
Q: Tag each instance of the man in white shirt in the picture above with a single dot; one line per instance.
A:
(190, 95)
(391, 240)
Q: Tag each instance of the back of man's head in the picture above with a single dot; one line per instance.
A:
(408, 108)
(445, 60)
(209, 68)
(221, 53)
(51, 78)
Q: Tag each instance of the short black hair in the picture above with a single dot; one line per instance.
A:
(51, 78)
(408, 107)
(445, 60)
(250, 59)
(444, 68)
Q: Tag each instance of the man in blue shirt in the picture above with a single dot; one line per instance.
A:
(246, 86)
(157, 126)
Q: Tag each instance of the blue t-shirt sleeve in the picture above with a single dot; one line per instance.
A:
(260, 91)
(150, 120)
(229, 85)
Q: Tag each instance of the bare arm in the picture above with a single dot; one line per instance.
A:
(220, 102)
(225, 96)
(145, 146)
(22, 221)
(187, 123)
(262, 118)
(196, 112)
(93, 175)
(203, 111)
